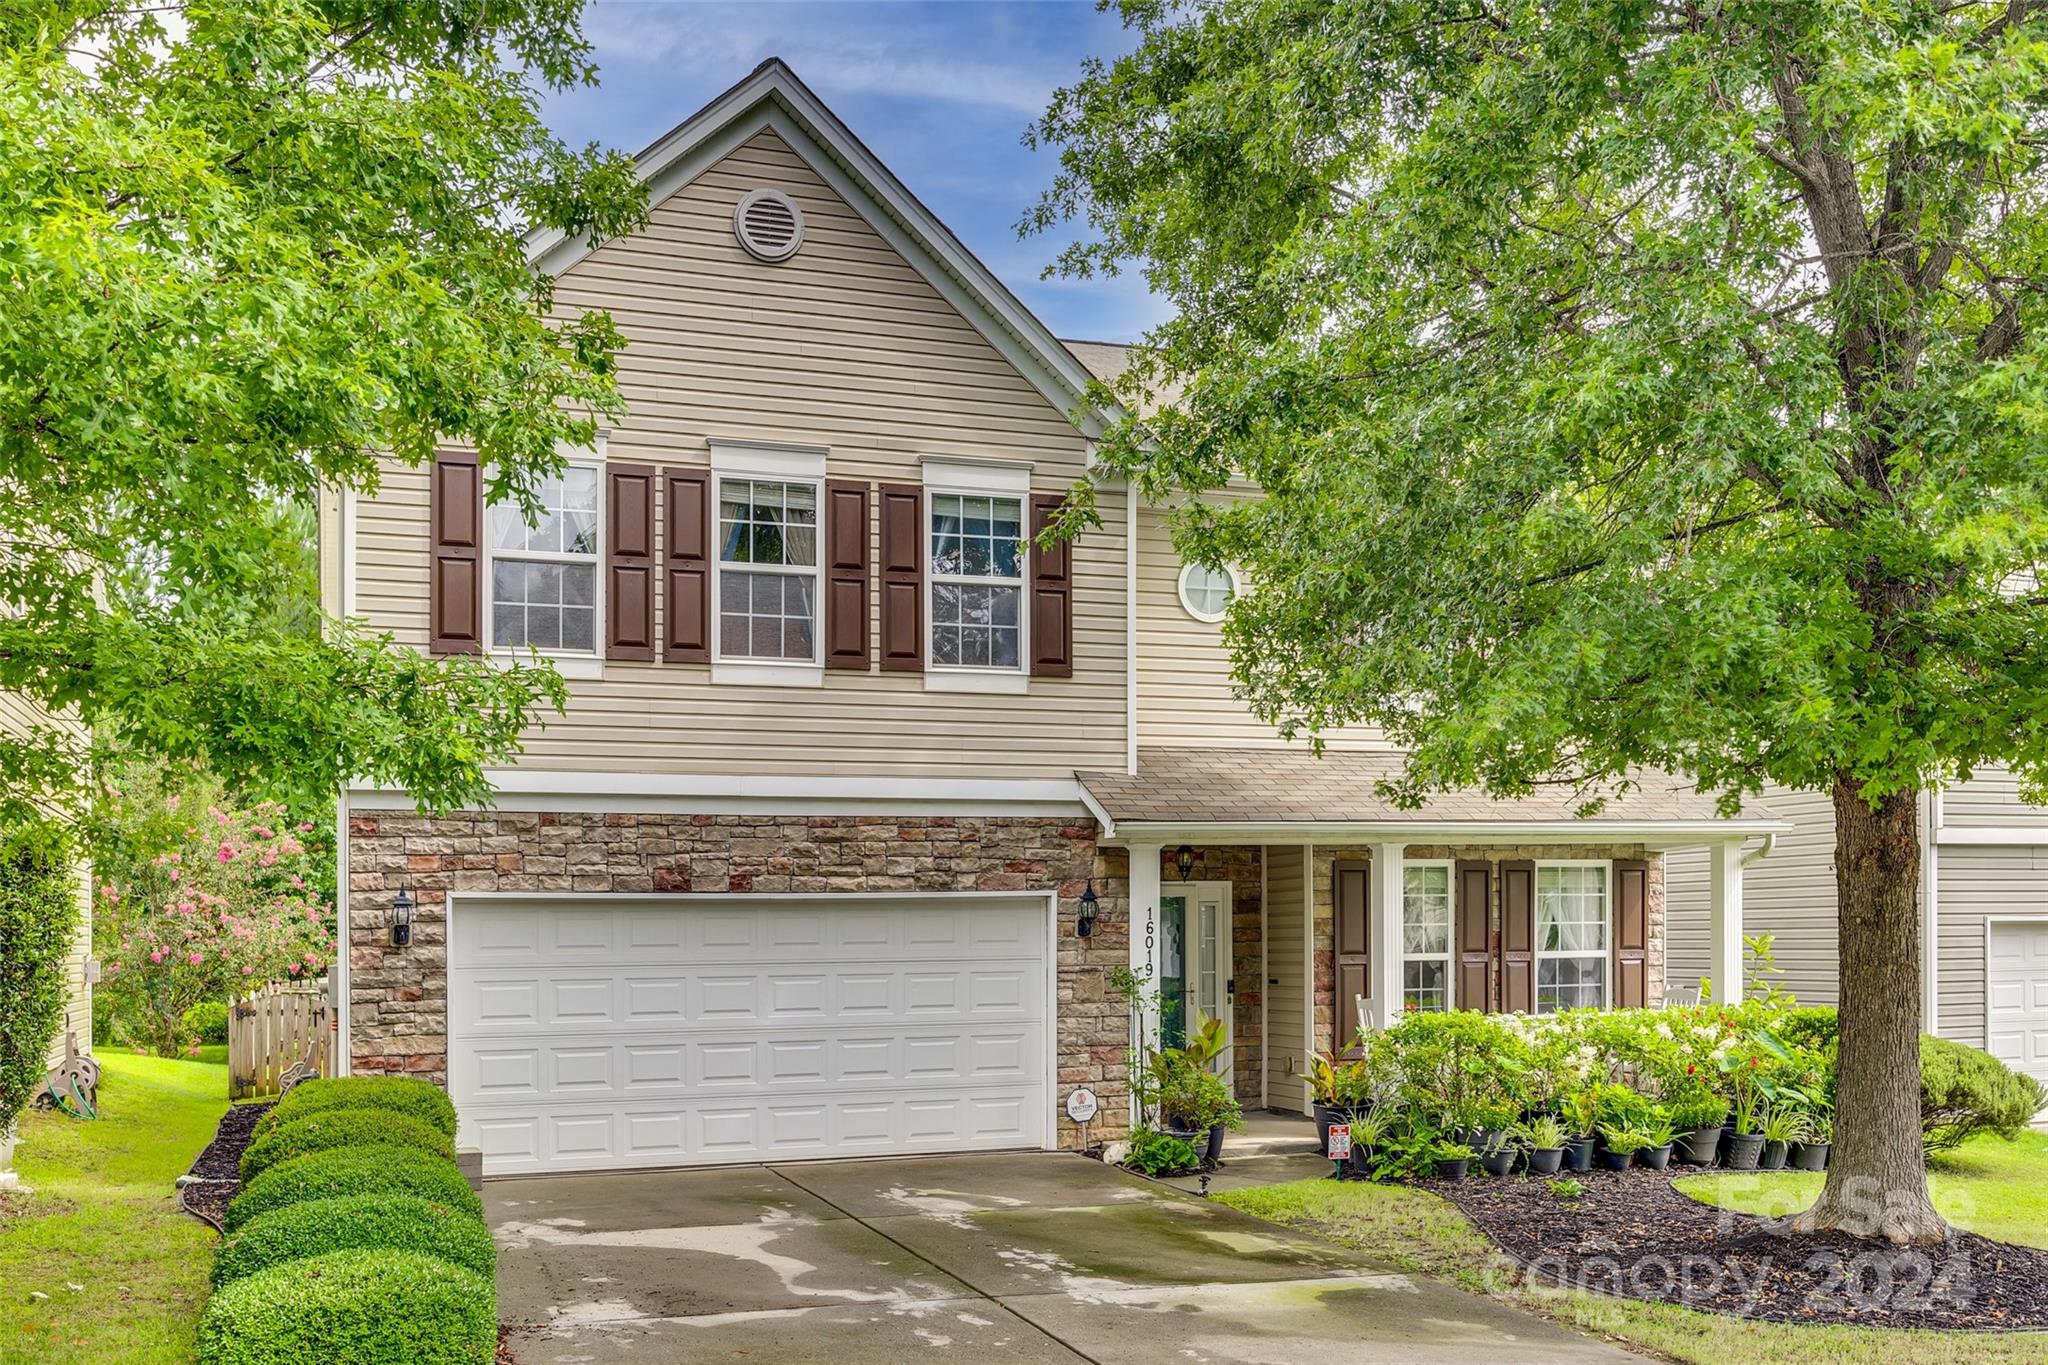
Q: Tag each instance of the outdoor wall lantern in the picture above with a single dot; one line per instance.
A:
(401, 918)
(1084, 924)
(1184, 860)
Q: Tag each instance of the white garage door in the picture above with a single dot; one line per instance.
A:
(2016, 980)
(601, 1031)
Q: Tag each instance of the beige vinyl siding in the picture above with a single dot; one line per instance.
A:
(1184, 693)
(18, 715)
(1991, 797)
(843, 346)
(1789, 895)
(1286, 978)
(1978, 883)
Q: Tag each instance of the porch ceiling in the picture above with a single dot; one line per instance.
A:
(1275, 793)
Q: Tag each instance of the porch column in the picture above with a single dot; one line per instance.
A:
(1145, 945)
(1724, 946)
(1387, 888)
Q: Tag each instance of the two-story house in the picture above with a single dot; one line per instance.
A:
(859, 797)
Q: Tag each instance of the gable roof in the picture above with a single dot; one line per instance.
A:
(773, 97)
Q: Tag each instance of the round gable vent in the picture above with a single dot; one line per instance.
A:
(769, 225)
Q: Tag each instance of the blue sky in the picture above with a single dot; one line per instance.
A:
(941, 92)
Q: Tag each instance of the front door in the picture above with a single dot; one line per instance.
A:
(1194, 961)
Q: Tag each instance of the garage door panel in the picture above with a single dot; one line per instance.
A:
(2016, 996)
(692, 1031)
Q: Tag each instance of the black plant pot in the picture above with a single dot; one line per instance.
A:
(1452, 1168)
(1810, 1156)
(1499, 1161)
(1325, 1116)
(1213, 1153)
(1739, 1151)
(1578, 1154)
(1545, 1160)
(1616, 1161)
(1699, 1147)
(1361, 1161)
(1656, 1158)
(1772, 1158)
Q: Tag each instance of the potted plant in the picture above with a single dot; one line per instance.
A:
(1334, 1084)
(1655, 1152)
(1581, 1117)
(1696, 1122)
(1496, 1153)
(1452, 1159)
(1810, 1153)
(1194, 1102)
(1543, 1139)
(1369, 1129)
(1743, 1067)
(1782, 1127)
(1620, 1147)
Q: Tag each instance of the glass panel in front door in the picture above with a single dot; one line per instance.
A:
(1211, 1000)
(1173, 971)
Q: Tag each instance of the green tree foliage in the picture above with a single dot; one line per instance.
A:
(247, 245)
(39, 891)
(1633, 385)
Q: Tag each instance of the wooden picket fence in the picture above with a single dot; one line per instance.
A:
(276, 1035)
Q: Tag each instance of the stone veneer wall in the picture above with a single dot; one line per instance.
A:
(1241, 866)
(398, 997)
(1325, 906)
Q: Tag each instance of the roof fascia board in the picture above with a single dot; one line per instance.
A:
(774, 98)
(1669, 833)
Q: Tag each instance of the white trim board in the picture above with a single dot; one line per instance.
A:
(1992, 836)
(528, 789)
(1671, 833)
(773, 98)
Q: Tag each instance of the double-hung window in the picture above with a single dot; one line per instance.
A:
(544, 579)
(1426, 936)
(767, 569)
(977, 581)
(1571, 936)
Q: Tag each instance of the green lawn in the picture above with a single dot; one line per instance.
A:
(103, 1216)
(1992, 1187)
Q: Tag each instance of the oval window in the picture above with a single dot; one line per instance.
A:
(1205, 592)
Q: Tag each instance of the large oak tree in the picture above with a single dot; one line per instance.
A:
(246, 246)
(1633, 384)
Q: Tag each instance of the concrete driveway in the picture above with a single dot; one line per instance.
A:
(1038, 1256)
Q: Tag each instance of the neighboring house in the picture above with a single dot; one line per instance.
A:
(1983, 912)
(846, 777)
(18, 716)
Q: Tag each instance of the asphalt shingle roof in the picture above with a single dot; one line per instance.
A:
(1283, 786)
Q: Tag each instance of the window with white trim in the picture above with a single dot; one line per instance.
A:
(1572, 918)
(544, 579)
(1426, 936)
(767, 569)
(1205, 592)
(977, 581)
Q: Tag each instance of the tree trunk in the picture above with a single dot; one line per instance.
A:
(1877, 1174)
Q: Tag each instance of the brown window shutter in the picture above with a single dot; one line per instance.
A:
(686, 566)
(1052, 595)
(846, 574)
(455, 571)
(1474, 944)
(1518, 937)
(1631, 933)
(903, 561)
(629, 561)
(1351, 899)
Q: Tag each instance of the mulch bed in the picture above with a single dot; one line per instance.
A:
(215, 1177)
(1634, 1235)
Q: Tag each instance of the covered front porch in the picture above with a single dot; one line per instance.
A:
(1279, 892)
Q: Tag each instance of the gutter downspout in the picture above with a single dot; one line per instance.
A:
(1751, 857)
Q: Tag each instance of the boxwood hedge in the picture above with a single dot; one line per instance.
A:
(366, 1307)
(328, 1129)
(397, 1222)
(353, 1170)
(422, 1100)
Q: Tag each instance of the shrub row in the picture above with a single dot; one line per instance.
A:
(354, 1237)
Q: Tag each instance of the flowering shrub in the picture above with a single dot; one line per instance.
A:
(218, 907)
